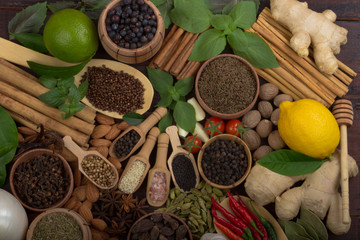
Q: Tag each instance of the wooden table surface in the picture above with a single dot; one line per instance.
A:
(348, 12)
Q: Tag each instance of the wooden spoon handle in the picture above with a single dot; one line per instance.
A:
(149, 143)
(344, 173)
(172, 131)
(74, 148)
(162, 150)
(152, 119)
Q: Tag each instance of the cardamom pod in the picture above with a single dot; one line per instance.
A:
(217, 192)
(201, 229)
(186, 206)
(208, 188)
(172, 193)
(180, 198)
(197, 217)
(209, 219)
(196, 192)
(185, 212)
(204, 215)
(202, 204)
(193, 220)
(177, 191)
(195, 210)
(201, 185)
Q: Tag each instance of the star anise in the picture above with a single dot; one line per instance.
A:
(112, 201)
(139, 209)
(125, 218)
(99, 211)
(127, 202)
(116, 228)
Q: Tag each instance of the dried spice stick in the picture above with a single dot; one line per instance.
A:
(189, 70)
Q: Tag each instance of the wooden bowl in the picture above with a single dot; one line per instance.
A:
(131, 56)
(225, 137)
(26, 157)
(213, 112)
(82, 223)
(163, 213)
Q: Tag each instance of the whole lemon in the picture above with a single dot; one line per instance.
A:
(71, 36)
(308, 127)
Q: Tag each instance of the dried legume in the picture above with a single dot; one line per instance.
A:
(126, 143)
(132, 178)
(157, 190)
(98, 170)
(184, 172)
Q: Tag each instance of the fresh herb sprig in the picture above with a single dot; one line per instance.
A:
(164, 6)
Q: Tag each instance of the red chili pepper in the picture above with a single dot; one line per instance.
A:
(243, 212)
(256, 219)
(228, 232)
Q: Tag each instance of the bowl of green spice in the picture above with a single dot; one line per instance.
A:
(227, 86)
(59, 224)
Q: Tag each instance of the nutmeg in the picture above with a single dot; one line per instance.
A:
(282, 97)
(251, 118)
(275, 141)
(252, 139)
(264, 128)
(265, 108)
(275, 116)
(268, 91)
(261, 152)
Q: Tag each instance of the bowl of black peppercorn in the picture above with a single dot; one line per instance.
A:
(224, 161)
(131, 31)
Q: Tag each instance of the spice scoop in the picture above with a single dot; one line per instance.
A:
(158, 184)
(180, 162)
(95, 167)
(134, 136)
(138, 165)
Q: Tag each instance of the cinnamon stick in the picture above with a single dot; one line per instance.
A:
(190, 70)
(23, 121)
(170, 54)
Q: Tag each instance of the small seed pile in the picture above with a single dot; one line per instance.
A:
(227, 85)
(224, 162)
(98, 170)
(194, 207)
(184, 172)
(113, 91)
(126, 143)
(132, 178)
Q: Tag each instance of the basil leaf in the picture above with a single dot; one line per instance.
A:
(224, 6)
(33, 41)
(57, 6)
(83, 88)
(232, 3)
(164, 11)
(290, 163)
(174, 94)
(96, 4)
(165, 122)
(166, 100)
(8, 142)
(221, 22)
(54, 97)
(28, 20)
(158, 2)
(191, 15)
(70, 109)
(160, 80)
(133, 118)
(184, 115)
(252, 48)
(208, 45)
(49, 82)
(315, 222)
(184, 86)
(66, 83)
(74, 95)
(57, 72)
(244, 14)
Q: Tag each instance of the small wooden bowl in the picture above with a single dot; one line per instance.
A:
(225, 137)
(219, 114)
(82, 223)
(33, 153)
(131, 56)
(163, 213)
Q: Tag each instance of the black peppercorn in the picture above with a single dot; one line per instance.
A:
(126, 143)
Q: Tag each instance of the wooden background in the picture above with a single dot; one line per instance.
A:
(348, 12)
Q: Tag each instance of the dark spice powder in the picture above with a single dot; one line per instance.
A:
(126, 143)
(227, 85)
(114, 91)
(184, 172)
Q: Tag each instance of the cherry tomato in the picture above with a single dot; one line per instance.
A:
(216, 127)
(232, 127)
(196, 144)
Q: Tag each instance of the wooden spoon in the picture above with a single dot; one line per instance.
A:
(20, 55)
(81, 154)
(172, 131)
(142, 156)
(160, 167)
(343, 113)
(141, 129)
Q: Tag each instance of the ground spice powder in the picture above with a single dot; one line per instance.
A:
(114, 91)
(227, 85)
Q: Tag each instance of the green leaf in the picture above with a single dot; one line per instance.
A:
(184, 116)
(308, 228)
(208, 45)
(165, 100)
(33, 41)
(66, 83)
(54, 97)
(290, 163)
(311, 218)
(28, 20)
(133, 118)
(57, 72)
(293, 230)
(71, 109)
(158, 2)
(95, 4)
(252, 48)
(191, 15)
(83, 88)
(8, 142)
(57, 6)
(49, 82)
(74, 95)
(164, 11)
(221, 22)
(160, 80)
(165, 122)
(184, 86)
(174, 94)
(229, 6)
(244, 14)
(224, 6)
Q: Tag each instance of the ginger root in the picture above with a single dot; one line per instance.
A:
(318, 193)
(309, 26)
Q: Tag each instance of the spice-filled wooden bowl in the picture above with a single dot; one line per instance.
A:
(227, 86)
(61, 223)
(41, 179)
(131, 31)
(166, 223)
(224, 161)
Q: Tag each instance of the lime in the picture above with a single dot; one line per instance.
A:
(71, 36)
